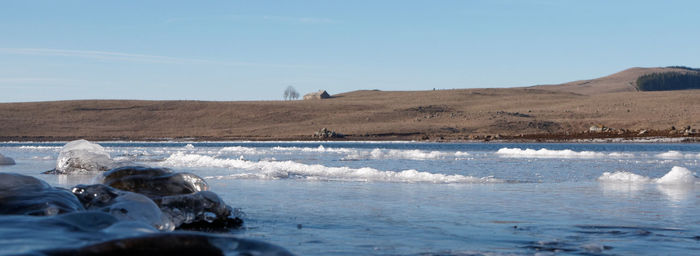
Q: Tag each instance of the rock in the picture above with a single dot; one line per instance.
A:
(325, 134)
(6, 160)
(597, 128)
(25, 195)
(153, 182)
(122, 205)
(642, 132)
(184, 197)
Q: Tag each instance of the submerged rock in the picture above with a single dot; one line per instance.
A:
(175, 244)
(6, 160)
(123, 205)
(25, 195)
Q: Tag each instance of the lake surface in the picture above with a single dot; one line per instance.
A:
(364, 198)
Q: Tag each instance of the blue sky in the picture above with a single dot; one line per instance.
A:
(253, 50)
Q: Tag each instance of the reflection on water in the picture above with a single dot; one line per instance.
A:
(677, 193)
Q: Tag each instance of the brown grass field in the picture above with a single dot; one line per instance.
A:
(549, 112)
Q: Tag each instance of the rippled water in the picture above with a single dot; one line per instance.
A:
(351, 198)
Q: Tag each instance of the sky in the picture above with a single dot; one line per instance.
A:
(253, 50)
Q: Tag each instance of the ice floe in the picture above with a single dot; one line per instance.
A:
(549, 153)
(678, 155)
(291, 169)
(677, 176)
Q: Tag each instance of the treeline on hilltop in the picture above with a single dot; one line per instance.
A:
(669, 81)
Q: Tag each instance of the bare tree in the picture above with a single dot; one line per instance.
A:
(290, 93)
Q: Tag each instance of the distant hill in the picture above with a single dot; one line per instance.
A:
(562, 111)
(626, 81)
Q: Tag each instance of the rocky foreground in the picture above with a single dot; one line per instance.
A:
(130, 210)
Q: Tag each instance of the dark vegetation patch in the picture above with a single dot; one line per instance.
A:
(430, 109)
(546, 126)
(684, 67)
(669, 81)
(516, 114)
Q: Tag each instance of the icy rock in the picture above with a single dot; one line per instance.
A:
(6, 160)
(204, 206)
(123, 205)
(154, 182)
(184, 197)
(25, 195)
(82, 156)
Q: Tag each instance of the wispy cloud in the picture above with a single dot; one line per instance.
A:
(36, 82)
(258, 18)
(308, 20)
(131, 57)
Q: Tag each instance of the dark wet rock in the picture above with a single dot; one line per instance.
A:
(184, 197)
(6, 160)
(204, 206)
(123, 205)
(25, 195)
(154, 182)
(176, 244)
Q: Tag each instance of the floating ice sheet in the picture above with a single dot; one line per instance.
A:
(291, 169)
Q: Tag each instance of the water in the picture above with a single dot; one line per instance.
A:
(349, 198)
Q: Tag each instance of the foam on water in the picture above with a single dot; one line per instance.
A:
(548, 153)
(677, 176)
(291, 169)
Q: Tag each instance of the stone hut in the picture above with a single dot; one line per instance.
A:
(322, 94)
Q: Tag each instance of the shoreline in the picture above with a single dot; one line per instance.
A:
(534, 138)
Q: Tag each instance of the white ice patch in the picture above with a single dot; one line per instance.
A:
(319, 149)
(39, 147)
(351, 154)
(291, 169)
(677, 176)
(623, 177)
(565, 153)
(414, 154)
(677, 155)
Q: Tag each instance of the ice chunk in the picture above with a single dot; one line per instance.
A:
(82, 156)
(678, 176)
(6, 160)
